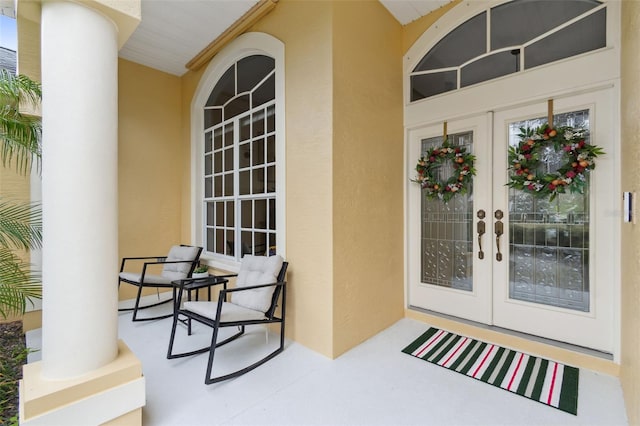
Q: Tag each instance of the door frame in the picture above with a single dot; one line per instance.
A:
(604, 231)
(551, 81)
(474, 305)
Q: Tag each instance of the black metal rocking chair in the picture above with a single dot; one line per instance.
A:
(178, 264)
(260, 286)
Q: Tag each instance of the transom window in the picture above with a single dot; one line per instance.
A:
(239, 205)
(507, 39)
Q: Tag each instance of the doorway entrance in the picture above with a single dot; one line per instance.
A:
(503, 257)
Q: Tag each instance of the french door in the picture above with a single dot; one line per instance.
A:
(443, 254)
(502, 257)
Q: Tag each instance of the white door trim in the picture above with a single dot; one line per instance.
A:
(555, 80)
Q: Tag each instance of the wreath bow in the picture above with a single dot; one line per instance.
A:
(433, 159)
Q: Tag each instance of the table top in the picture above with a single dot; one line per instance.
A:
(193, 283)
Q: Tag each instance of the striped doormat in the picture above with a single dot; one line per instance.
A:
(536, 378)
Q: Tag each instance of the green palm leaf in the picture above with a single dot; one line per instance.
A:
(20, 134)
(17, 284)
(20, 225)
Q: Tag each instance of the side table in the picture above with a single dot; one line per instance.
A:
(191, 284)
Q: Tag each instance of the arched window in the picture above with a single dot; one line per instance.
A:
(239, 150)
(506, 39)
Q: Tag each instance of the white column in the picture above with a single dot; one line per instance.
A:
(79, 189)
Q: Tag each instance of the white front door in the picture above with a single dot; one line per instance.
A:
(557, 276)
(445, 271)
(549, 273)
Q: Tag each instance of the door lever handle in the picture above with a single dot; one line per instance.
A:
(499, 230)
(480, 227)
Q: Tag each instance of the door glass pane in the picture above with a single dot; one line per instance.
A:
(425, 85)
(514, 23)
(488, 67)
(447, 229)
(583, 36)
(465, 42)
(549, 241)
(516, 28)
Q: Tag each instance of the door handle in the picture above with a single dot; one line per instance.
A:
(480, 227)
(499, 230)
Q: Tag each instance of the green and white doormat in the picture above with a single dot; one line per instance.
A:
(536, 378)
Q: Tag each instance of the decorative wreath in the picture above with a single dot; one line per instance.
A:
(433, 160)
(524, 161)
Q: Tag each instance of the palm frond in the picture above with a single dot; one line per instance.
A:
(17, 284)
(20, 225)
(20, 134)
(18, 88)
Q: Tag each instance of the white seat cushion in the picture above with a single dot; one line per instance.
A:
(178, 271)
(230, 311)
(256, 270)
(148, 278)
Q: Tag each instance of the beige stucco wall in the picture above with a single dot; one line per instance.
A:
(305, 29)
(343, 80)
(150, 166)
(367, 172)
(630, 136)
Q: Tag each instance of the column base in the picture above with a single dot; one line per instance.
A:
(111, 395)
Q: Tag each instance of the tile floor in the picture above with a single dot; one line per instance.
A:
(373, 384)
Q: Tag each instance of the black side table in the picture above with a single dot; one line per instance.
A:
(191, 284)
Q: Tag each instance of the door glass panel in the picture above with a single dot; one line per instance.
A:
(425, 85)
(549, 241)
(583, 36)
(488, 67)
(447, 228)
(463, 43)
(518, 27)
(515, 23)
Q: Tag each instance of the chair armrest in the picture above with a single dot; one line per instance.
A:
(144, 257)
(225, 275)
(253, 287)
(124, 259)
(165, 262)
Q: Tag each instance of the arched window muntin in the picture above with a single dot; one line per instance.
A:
(453, 74)
(202, 144)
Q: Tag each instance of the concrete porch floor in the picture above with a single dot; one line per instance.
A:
(373, 384)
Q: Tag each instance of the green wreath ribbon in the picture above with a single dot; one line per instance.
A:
(433, 159)
(524, 161)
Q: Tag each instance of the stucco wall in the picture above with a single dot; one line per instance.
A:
(305, 29)
(343, 80)
(630, 134)
(367, 172)
(149, 161)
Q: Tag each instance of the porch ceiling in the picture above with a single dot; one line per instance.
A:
(172, 32)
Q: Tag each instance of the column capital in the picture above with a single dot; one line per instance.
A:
(125, 14)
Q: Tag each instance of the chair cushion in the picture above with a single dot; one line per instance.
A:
(148, 278)
(230, 312)
(178, 271)
(256, 270)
